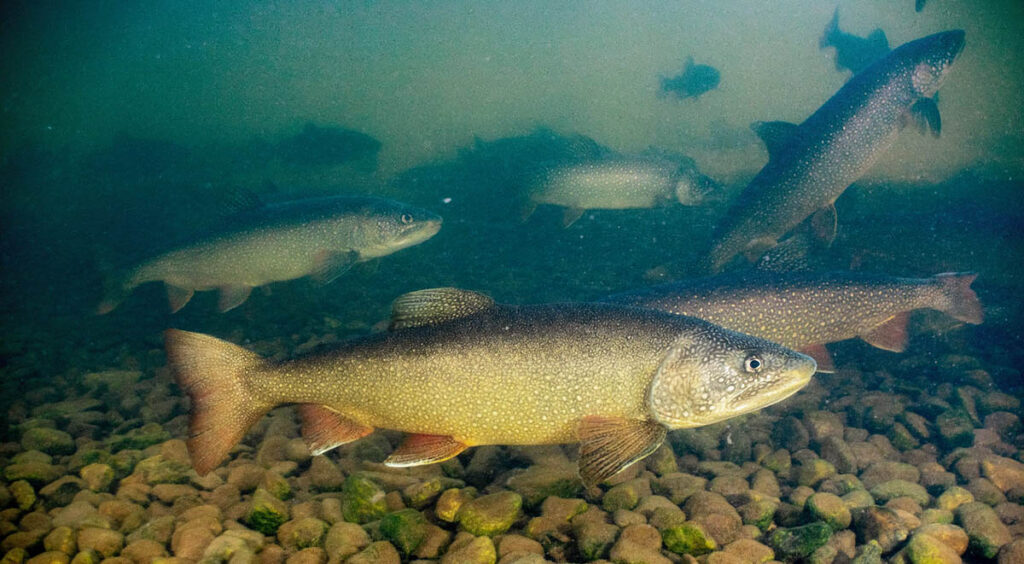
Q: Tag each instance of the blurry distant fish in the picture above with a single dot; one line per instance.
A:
(321, 237)
(853, 52)
(804, 311)
(692, 82)
(620, 183)
(919, 5)
(811, 164)
(328, 146)
(458, 370)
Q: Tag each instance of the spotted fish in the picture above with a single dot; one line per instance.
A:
(457, 371)
(804, 311)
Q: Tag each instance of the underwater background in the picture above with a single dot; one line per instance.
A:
(127, 126)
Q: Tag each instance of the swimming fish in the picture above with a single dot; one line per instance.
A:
(620, 183)
(457, 370)
(692, 82)
(853, 52)
(811, 164)
(319, 237)
(804, 311)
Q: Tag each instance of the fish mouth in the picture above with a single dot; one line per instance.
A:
(791, 382)
(420, 232)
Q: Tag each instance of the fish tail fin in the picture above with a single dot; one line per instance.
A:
(961, 301)
(830, 30)
(214, 374)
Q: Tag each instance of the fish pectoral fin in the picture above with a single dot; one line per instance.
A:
(610, 444)
(824, 224)
(821, 356)
(774, 134)
(925, 115)
(891, 335)
(435, 305)
(324, 429)
(232, 297)
(417, 450)
(330, 265)
(570, 215)
(178, 296)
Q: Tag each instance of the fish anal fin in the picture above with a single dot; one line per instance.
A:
(891, 335)
(775, 134)
(232, 297)
(417, 450)
(823, 224)
(332, 264)
(324, 429)
(610, 444)
(570, 215)
(177, 296)
(820, 355)
(436, 305)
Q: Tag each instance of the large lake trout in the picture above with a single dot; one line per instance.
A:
(811, 164)
(458, 370)
(805, 311)
(318, 237)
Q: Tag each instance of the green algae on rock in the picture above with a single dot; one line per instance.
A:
(266, 513)
(362, 500)
(800, 542)
(491, 514)
(406, 529)
(688, 537)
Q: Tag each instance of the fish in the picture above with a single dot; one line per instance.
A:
(811, 164)
(318, 237)
(329, 146)
(919, 5)
(853, 53)
(694, 81)
(620, 183)
(456, 370)
(807, 310)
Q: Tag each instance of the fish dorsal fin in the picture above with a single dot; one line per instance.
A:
(774, 134)
(891, 335)
(610, 444)
(878, 37)
(436, 305)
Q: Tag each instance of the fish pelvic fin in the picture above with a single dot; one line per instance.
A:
(214, 374)
(610, 444)
(114, 292)
(177, 297)
(821, 356)
(961, 301)
(324, 429)
(419, 449)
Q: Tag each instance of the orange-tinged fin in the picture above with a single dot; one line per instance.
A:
(417, 450)
(232, 297)
(214, 374)
(177, 297)
(820, 355)
(963, 303)
(435, 305)
(610, 444)
(891, 335)
(323, 428)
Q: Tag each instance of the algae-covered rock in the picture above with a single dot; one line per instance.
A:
(104, 541)
(594, 539)
(406, 529)
(422, 494)
(277, 485)
(380, 552)
(159, 470)
(97, 477)
(829, 509)
(625, 495)
(61, 491)
(759, 512)
(61, 539)
(955, 428)
(139, 438)
(35, 473)
(813, 472)
(451, 501)
(879, 524)
(985, 531)
(688, 537)
(953, 497)
(362, 500)
(1005, 473)
(50, 441)
(542, 480)
(266, 513)
(23, 493)
(926, 549)
(562, 509)
(302, 533)
(470, 550)
(887, 470)
(678, 486)
(900, 488)
(800, 542)
(490, 514)
(324, 475)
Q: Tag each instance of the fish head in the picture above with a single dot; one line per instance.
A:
(714, 374)
(384, 226)
(933, 56)
(693, 188)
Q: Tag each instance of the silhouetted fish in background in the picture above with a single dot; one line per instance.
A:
(804, 311)
(692, 82)
(810, 165)
(328, 146)
(919, 5)
(319, 237)
(853, 52)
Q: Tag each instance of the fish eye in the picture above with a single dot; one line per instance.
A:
(753, 364)
(406, 218)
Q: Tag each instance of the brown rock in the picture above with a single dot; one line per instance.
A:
(950, 535)
(324, 475)
(61, 539)
(104, 541)
(715, 514)
(751, 551)
(1012, 553)
(518, 543)
(52, 557)
(628, 552)
(246, 477)
(434, 542)
(144, 551)
(886, 471)
(312, 555)
(190, 540)
(879, 524)
(468, 549)
(1005, 473)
